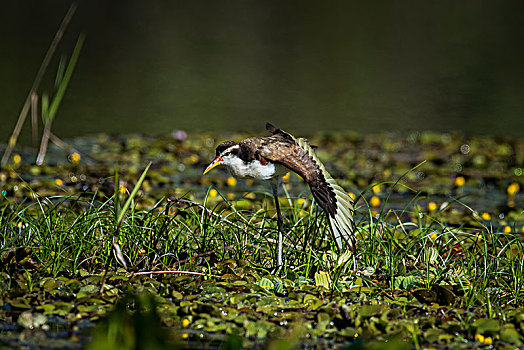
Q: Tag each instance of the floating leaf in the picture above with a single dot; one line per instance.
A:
(323, 320)
(444, 295)
(322, 279)
(426, 296)
(509, 334)
(266, 283)
(486, 325)
(370, 310)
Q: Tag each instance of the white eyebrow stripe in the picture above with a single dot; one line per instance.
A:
(227, 150)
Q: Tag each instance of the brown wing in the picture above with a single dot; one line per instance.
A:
(299, 156)
(284, 150)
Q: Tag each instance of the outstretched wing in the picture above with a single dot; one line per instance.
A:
(299, 156)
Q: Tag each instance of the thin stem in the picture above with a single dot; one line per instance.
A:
(36, 83)
(34, 118)
(274, 187)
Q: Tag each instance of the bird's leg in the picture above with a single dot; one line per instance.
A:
(280, 223)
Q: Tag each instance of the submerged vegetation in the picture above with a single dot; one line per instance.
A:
(173, 259)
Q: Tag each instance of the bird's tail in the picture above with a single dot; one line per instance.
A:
(341, 222)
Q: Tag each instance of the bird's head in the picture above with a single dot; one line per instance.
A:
(226, 152)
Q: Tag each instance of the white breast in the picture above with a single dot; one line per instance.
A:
(253, 169)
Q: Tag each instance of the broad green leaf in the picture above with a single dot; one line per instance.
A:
(323, 279)
(486, 325)
(266, 283)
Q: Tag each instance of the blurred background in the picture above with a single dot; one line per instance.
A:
(155, 66)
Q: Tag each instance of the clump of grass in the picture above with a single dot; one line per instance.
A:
(406, 258)
(70, 233)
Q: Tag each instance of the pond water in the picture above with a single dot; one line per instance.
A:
(306, 66)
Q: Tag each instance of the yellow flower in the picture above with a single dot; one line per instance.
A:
(376, 189)
(513, 188)
(433, 236)
(301, 201)
(74, 178)
(352, 195)
(185, 322)
(185, 335)
(122, 189)
(75, 157)
(231, 181)
(250, 195)
(486, 216)
(479, 338)
(432, 206)
(230, 196)
(213, 193)
(285, 178)
(356, 335)
(507, 229)
(59, 182)
(17, 159)
(488, 340)
(192, 159)
(374, 201)
(460, 181)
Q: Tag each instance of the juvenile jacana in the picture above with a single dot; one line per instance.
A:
(267, 158)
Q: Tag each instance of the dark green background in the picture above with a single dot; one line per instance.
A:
(155, 66)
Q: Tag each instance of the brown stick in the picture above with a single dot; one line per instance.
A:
(60, 143)
(69, 149)
(194, 257)
(176, 271)
(36, 83)
(34, 118)
(43, 144)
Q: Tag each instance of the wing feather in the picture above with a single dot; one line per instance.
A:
(299, 156)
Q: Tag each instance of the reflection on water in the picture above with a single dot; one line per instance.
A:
(157, 66)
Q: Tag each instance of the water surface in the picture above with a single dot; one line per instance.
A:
(152, 67)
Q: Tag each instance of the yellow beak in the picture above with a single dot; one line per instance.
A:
(213, 164)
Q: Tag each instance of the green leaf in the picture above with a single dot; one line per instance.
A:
(486, 325)
(431, 255)
(266, 284)
(370, 310)
(279, 287)
(509, 334)
(323, 320)
(45, 108)
(67, 76)
(132, 195)
(323, 279)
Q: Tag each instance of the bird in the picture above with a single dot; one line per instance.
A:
(270, 157)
